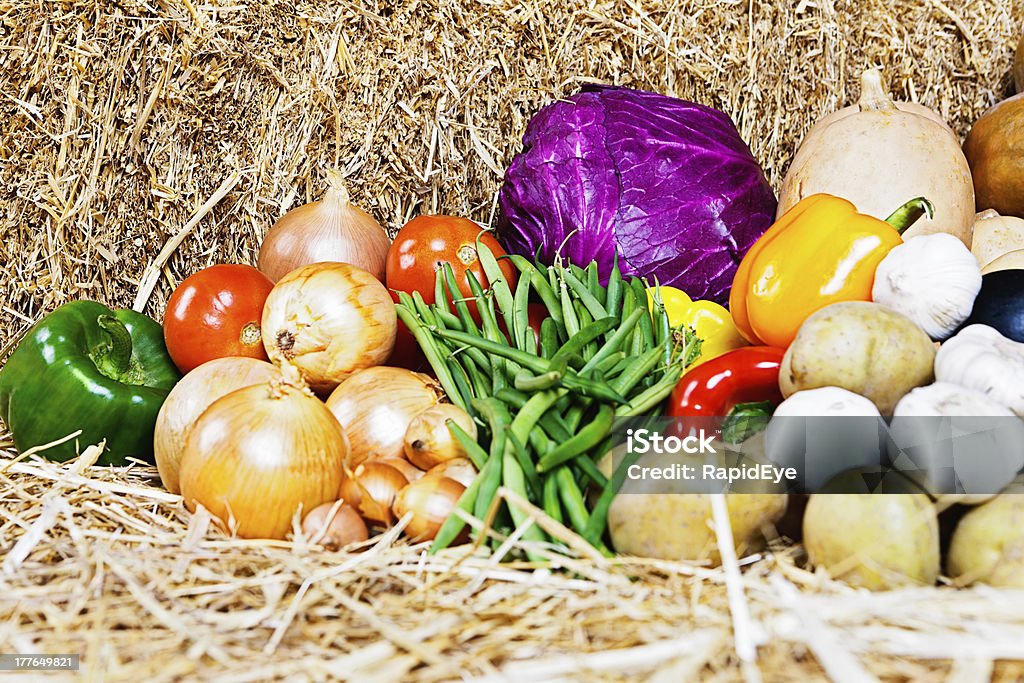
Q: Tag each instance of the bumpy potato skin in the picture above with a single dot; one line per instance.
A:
(988, 544)
(874, 541)
(677, 526)
(860, 346)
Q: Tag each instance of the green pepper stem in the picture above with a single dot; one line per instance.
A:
(908, 214)
(115, 360)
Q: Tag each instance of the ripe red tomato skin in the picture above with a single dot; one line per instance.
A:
(427, 241)
(216, 313)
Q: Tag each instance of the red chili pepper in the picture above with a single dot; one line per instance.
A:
(745, 375)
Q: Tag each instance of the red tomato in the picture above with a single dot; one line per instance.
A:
(216, 313)
(537, 313)
(426, 242)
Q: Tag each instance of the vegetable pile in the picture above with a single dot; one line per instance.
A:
(351, 382)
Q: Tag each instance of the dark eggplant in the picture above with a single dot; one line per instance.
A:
(1000, 303)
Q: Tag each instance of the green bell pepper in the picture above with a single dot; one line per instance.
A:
(88, 367)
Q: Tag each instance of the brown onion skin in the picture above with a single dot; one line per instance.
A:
(332, 229)
(459, 469)
(344, 528)
(431, 500)
(193, 395)
(260, 454)
(411, 472)
(428, 441)
(329, 320)
(376, 405)
(371, 489)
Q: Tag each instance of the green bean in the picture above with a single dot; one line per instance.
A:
(548, 338)
(659, 318)
(497, 283)
(595, 307)
(585, 439)
(551, 505)
(539, 282)
(440, 297)
(423, 310)
(646, 324)
(650, 397)
(524, 381)
(521, 331)
(572, 499)
(512, 475)
(616, 340)
(551, 422)
(590, 348)
(474, 451)
(586, 335)
(447, 320)
(608, 364)
(594, 285)
(526, 360)
(490, 480)
(593, 388)
(478, 380)
(599, 514)
(462, 381)
(572, 323)
(461, 307)
(540, 443)
(640, 368)
(430, 350)
(586, 464)
(613, 296)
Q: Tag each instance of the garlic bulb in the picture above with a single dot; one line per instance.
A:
(931, 279)
(331, 229)
(978, 357)
(995, 235)
(985, 455)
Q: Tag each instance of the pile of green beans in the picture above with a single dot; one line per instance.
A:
(546, 402)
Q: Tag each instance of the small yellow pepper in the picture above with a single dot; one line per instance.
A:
(711, 322)
(818, 253)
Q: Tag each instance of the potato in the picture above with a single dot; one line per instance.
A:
(677, 526)
(862, 347)
(988, 544)
(874, 540)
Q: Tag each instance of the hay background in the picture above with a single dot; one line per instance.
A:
(119, 119)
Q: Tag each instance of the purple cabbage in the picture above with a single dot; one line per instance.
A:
(667, 184)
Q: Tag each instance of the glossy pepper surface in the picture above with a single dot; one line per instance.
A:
(820, 252)
(714, 388)
(711, 322)
(87, 367)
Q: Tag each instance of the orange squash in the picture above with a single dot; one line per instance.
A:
(995, 151)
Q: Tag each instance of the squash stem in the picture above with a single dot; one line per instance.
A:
(908, 214)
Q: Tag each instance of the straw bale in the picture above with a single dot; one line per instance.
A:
(128, 125)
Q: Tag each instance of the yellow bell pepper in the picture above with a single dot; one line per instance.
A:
(711, 322)
(818, 253)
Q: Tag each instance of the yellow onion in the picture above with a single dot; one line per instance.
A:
(376, 405)
(459, 469)
(331, 229)
(190, 397)
(410, 471)
(371, 489)
(260, 454)
(430, 500)
(334, 525)
(329, 320)
(428, 440)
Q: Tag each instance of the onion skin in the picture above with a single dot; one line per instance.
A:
(259, 455)
(331, 229)
(372, 489)
(428, 441)
(459, 469)
(430, 500)
(335, 531)
(375, 407)
(410, 471)
(329, 320)
(190, 397)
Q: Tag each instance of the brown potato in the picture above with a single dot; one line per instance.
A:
(876, 541)
(862, 347)
(988, 544)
